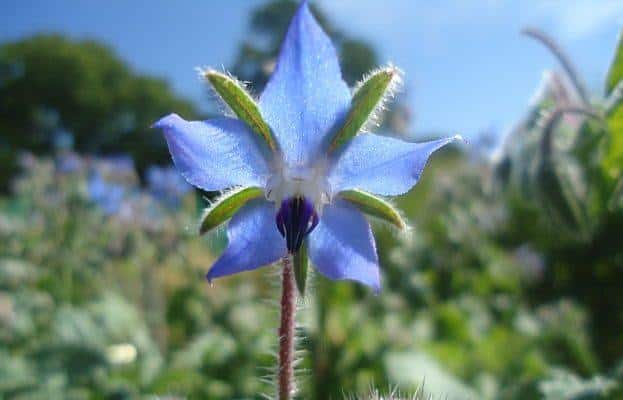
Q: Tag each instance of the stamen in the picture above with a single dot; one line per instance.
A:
(295, 220)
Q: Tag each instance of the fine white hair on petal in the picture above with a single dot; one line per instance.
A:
(212, 203)
(201, 71)
(222, 105)
(395, 86)
(223, 108)
(392, 229)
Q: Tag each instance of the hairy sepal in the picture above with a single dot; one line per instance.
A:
(234, 95)
(368, 101)
(301, 265)
(374, 206)
(225, 206)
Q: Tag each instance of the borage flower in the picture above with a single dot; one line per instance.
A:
(300, 164)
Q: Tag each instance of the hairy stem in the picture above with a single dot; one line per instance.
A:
(285, 376)
(566, 63)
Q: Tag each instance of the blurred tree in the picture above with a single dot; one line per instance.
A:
(55, 91)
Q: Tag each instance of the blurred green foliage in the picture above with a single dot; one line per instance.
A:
(507, 287)
(96, 306)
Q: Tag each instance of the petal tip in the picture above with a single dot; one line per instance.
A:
(396, 74)
(210, 276)
(304, 13)
(459, 138)
(376, 283)
(206, 73)
(167, 121)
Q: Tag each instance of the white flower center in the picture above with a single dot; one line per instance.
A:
(307, 182)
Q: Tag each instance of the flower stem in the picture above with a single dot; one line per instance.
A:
(286, 385)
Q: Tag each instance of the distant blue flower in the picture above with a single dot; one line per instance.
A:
(62, 139)
(111, 179)
(117, 167)
(68, 162)
(107, 195)
(166, 185)
(304, 99)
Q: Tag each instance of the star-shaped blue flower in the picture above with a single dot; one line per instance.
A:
(301, 176)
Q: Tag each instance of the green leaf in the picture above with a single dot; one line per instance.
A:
(225, 206)
(614, 100)
(375, 206)
(617, 195)
(612, 161)
(241, 103)
(615, 73)
(368, 98)
(301, 264)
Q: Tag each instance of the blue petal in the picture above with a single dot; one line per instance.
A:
(306, 95)
(342, 246)
(254, 240)
(215, 154)
(382, 165)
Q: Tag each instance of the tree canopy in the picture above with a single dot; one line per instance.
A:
(54, 89)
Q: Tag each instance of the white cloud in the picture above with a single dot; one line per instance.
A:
(571, 19)
(438, 13)
(576, 19)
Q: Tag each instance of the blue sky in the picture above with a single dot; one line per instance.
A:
(467, 67)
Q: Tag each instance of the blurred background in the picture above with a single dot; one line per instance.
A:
(508, 286)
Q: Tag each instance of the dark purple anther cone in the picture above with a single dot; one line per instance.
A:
(295, 220)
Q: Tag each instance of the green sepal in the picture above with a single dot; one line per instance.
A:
(368, 97)
(615, 73)
(225, 206)
(301, 264)
(241, 103)
(375, 206)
